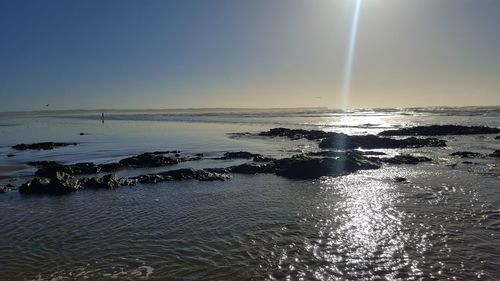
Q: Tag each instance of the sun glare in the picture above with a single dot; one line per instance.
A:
(351, 48)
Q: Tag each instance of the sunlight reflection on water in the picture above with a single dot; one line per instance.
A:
(364, 235)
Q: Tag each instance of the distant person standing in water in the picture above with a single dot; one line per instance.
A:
(102, 117)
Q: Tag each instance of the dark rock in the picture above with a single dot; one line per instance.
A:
(469, 163)
(52, 168)
(43, 145)
(495, 154)
(9, 185)
(325, 153)
(199, 155)
(146, 160)
(217, 170)
(343, 141)
(261, 158)
(373, 153)
(10, 155)
(441, 130)
(304, 167)
(107, 181)
(238, 155)
(497, 137)
(82, 134)
(43, 163)
(400, 179)
(149, 160)
(194, 158)
(331, 140)
(61, 183)
(4, 189)
(164, 152)
(466, 154)
(330, 153)
(109, 167)
(253, 169)
(182, 174)
(405, 159)
(295, 134)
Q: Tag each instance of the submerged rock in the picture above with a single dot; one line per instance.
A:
(4, 189)
(405, 159)
(441, 130)
(343, 141)
(60, 183)
(495, 154)
(43, 145)
(183, 174)
(466, 154)
(10, 155)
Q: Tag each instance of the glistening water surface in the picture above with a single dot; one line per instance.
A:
(443, 224)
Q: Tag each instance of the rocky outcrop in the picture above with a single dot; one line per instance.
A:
(330, 153)
(238, 155)
(60, 183)
(495, 154)
(261, 158)
(343, 141)
(332, 140)
(63, 183)
(183, 174)
(466, 154)
(400, 179)
(147, 160)
(42, 145)
(405, 159)
(108, 182)
(441, 130)
(50, 168)
(4, 189)
(248, 168)
(295, 134)
(305, 167)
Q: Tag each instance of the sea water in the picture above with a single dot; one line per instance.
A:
(444, 223)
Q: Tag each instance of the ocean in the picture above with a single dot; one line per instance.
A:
(442, 223)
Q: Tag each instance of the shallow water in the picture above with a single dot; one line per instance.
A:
(443, 224)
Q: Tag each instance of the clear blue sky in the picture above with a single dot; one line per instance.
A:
(236, 53)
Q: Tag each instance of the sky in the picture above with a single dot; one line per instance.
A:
(122, 54)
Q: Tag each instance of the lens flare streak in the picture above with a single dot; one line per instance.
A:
(350, 55)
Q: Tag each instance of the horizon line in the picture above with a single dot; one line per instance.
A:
(238, 108)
